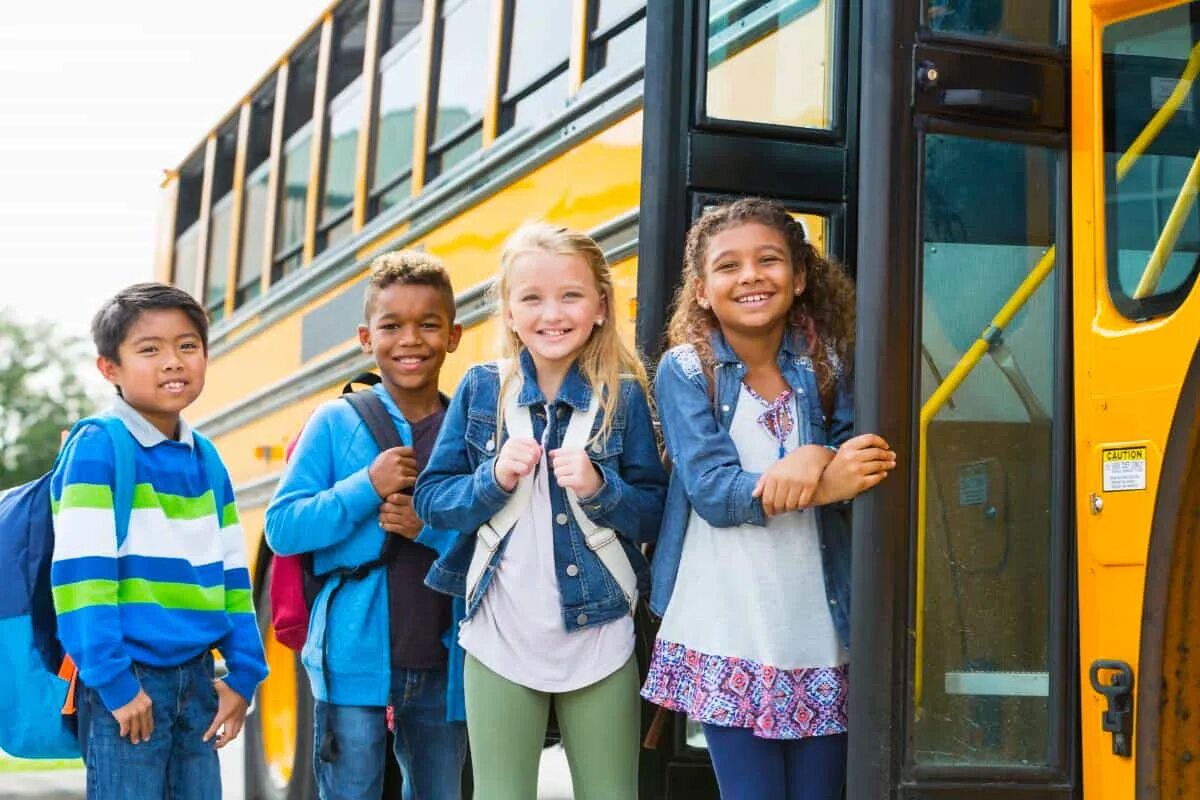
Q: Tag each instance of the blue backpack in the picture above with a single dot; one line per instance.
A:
(37, 679)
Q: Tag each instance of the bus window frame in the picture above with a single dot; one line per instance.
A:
(835, 134)
(509, 98)
(279, 256)
(595, 58)
(1062, 650)
(330, 220)
(414, 39)
(436, 150)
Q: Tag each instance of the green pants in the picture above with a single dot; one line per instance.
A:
(506, 725)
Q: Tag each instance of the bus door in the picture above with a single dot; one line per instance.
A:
(963, 678)
(1136, 140)
(742, 97)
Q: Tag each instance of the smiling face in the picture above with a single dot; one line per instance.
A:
(553, 304)
(411, 329)
(749, 279)
(160, 368)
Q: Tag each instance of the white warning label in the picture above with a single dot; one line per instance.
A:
(1124, 469)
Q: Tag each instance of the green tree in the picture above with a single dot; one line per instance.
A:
(41, 394)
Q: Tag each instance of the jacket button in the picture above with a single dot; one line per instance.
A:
(581, 619)
(491, 444)
(560, 518)
(597, 447)
(572, 570)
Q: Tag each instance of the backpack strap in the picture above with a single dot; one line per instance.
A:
(600, 540)
(492, 533)
(376, 417)
(214, 471)
(124, 478)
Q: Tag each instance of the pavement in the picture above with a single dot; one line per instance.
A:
(554, 781)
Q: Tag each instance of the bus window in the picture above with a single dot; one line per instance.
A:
(987, 625)
(187, 223)
(254, 198)
(538, 49)
(297, 156)
(770, 61)
(220, 223)
(616, 38)
(1151, 218)
(456, 130)
(1034, 21)
(345, 118)
(399, 92)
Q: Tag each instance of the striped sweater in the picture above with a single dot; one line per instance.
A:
(177, 587)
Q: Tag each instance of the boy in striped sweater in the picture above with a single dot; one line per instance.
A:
(140, 620)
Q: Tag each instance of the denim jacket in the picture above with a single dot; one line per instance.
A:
(458, 488)
(707, 474)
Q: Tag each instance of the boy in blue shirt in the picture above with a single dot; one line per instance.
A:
(140, 619)
(379, 645)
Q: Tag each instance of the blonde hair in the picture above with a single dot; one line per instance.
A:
(605, 358)
(407, 268)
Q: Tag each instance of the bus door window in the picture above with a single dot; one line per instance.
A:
(771, 61)
(987, 617)
(1031, 21)
(1152, 160)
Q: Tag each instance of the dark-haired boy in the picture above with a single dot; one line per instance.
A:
(140, 618)
(383, 637)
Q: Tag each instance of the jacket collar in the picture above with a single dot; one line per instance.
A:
(794, 343)
(142, 430)
(575, 390)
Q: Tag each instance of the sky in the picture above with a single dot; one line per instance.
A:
(96, 100)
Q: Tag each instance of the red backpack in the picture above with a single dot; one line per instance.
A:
(293, 584)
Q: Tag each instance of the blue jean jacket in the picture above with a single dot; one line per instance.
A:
(458, 489)
(707, 474)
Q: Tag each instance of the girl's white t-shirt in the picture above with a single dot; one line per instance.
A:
(518, 630)
(753, 592)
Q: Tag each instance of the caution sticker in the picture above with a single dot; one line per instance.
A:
(1125, 469)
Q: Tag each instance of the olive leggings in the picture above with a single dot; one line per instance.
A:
(506, 725)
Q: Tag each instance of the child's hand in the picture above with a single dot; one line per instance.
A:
(396, 515)
(860, 463)
(136, 718)
(393, 470)
(791, 482)
(517, 458)
(575, 471)
(231, 714)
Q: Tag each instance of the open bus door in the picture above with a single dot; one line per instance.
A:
(743, 97)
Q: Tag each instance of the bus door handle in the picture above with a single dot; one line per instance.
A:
(1118, 718)
(997, 102)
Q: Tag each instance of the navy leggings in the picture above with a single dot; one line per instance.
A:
(752, 768)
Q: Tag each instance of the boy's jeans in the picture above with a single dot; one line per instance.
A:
(429, 750)
(175, 762)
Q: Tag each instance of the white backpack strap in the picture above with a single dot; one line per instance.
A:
(600, 540)
(492, 533)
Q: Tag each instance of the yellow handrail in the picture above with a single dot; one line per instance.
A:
(1033, 280)
(1170, 233)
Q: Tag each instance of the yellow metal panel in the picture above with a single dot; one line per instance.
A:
(317, 146)
(210, 161)
(429, 28)
(1127, 379)
(260, 361)
(164, 245)
(366, 128)
(491, 103)
(274, 176)
(239, 194)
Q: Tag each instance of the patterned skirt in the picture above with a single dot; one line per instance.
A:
(739, 693)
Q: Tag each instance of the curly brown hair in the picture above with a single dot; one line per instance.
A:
(823, 313)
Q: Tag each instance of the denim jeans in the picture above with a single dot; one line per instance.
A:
(175, 762)
(429, 750)
(749, 768)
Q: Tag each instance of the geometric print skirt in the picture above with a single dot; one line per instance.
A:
(740, 693)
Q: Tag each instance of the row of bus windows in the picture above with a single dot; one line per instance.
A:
(535, 57)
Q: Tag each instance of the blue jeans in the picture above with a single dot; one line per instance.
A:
(749, 767)
(429, 750)
(175, 762)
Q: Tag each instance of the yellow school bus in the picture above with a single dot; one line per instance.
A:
(1012, 184)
